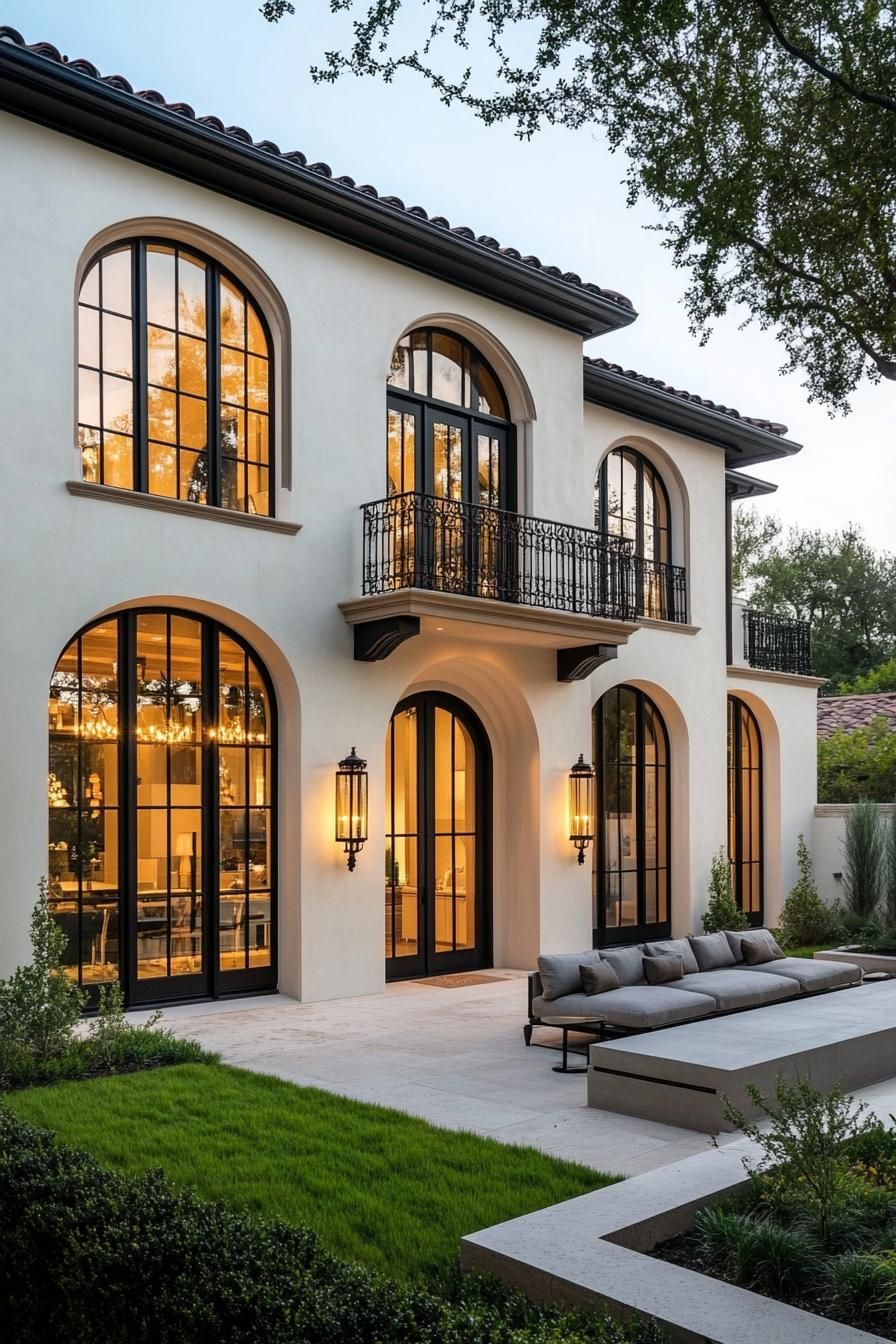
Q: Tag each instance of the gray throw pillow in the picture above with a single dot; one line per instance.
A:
(757, 951)
(663, 969)
(737, 939)
(626, 962)
(680, 946)
(712, 951)
(559, 972)
(598, 978)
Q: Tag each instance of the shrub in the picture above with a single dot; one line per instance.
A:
(863, 859)
(722, 912)
(89, 1255)
(762, 1255)
(805, 919)
(888, 905)
(805, 1139)
(862, 1286)
(39, 1004)
(860, 764)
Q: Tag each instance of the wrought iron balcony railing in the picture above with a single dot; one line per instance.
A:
(448, 546)
(777, 643)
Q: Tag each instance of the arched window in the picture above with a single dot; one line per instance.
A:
(175, 379)
(448, 432)
(631, 502)
(745, 808)
(162, 807)
(631, 859)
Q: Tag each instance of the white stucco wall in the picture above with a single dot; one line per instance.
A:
(67, 560)
(827, 851)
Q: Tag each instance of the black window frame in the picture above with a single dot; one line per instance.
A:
(645, 473)
(613, 935)
(428, 408)
(212, 982)
(740, 807)
(215, 271)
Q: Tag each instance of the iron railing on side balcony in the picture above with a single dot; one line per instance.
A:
(449, 546)
(777, 643)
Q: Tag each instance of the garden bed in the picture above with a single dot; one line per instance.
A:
(815, 1229)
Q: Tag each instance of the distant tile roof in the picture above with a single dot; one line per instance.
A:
(299, 160)
(769, 426)
(845, 713)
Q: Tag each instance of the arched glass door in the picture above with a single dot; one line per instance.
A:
(631, 860)
(745, 808)
(438, 806)
(161, 808)
(450, 467)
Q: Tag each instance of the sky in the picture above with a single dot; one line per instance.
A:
(558, 196)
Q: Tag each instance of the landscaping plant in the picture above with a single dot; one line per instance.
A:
(39, 1003)
(863, 862)
(90, 1255)
(40, 1007)
(805, 919)
(888, 911)
(722, 912)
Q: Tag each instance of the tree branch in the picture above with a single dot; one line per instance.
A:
(801, 54)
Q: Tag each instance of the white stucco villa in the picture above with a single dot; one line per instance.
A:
(293, 468)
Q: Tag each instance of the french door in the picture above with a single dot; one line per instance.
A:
(438, 841)
(162, 809)
(451, 478)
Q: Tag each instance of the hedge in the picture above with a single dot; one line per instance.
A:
(89, 1255)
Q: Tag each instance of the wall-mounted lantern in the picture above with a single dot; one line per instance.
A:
(581, 806)
(351, 805)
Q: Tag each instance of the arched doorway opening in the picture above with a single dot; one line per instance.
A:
(632, 856)
(438, 838)
(162, 807)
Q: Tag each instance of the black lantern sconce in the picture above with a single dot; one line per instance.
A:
(581, 806)
(351, 805)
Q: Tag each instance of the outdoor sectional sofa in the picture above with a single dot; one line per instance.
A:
(726, 984)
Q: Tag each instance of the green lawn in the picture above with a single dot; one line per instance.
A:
(378, 1186)
(808, 951)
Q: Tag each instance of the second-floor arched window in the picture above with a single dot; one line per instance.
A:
(631, 501)
(449, 430)
(175, 378)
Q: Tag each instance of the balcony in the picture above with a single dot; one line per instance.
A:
(776, 643)
(564, 585)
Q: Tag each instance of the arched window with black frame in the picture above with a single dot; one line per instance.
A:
(631, 874)
(450, 468)
(175, 373)
(631, 503)
(745, 830)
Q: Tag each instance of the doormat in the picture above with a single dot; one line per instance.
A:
(460, 980)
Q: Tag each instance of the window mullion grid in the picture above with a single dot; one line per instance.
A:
(640, 784)
(141, 368)
(213, 381)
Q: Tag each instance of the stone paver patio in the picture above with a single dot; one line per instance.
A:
(454, 1057)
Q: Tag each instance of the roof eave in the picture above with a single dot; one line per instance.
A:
(744, 444)
(746, 487)
(78, 105)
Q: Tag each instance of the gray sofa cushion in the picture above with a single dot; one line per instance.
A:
(712, 951)
(810, 975)
(664, 969)
(559, 972)
(599, 978)
(626, 962)
(737, 936)
(730, 988)
(636, 1007)
(681, 946)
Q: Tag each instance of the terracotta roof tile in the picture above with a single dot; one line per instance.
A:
(845, 713)
(770, 426)
(295, 157)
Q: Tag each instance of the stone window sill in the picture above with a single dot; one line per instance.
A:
(89, 490)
